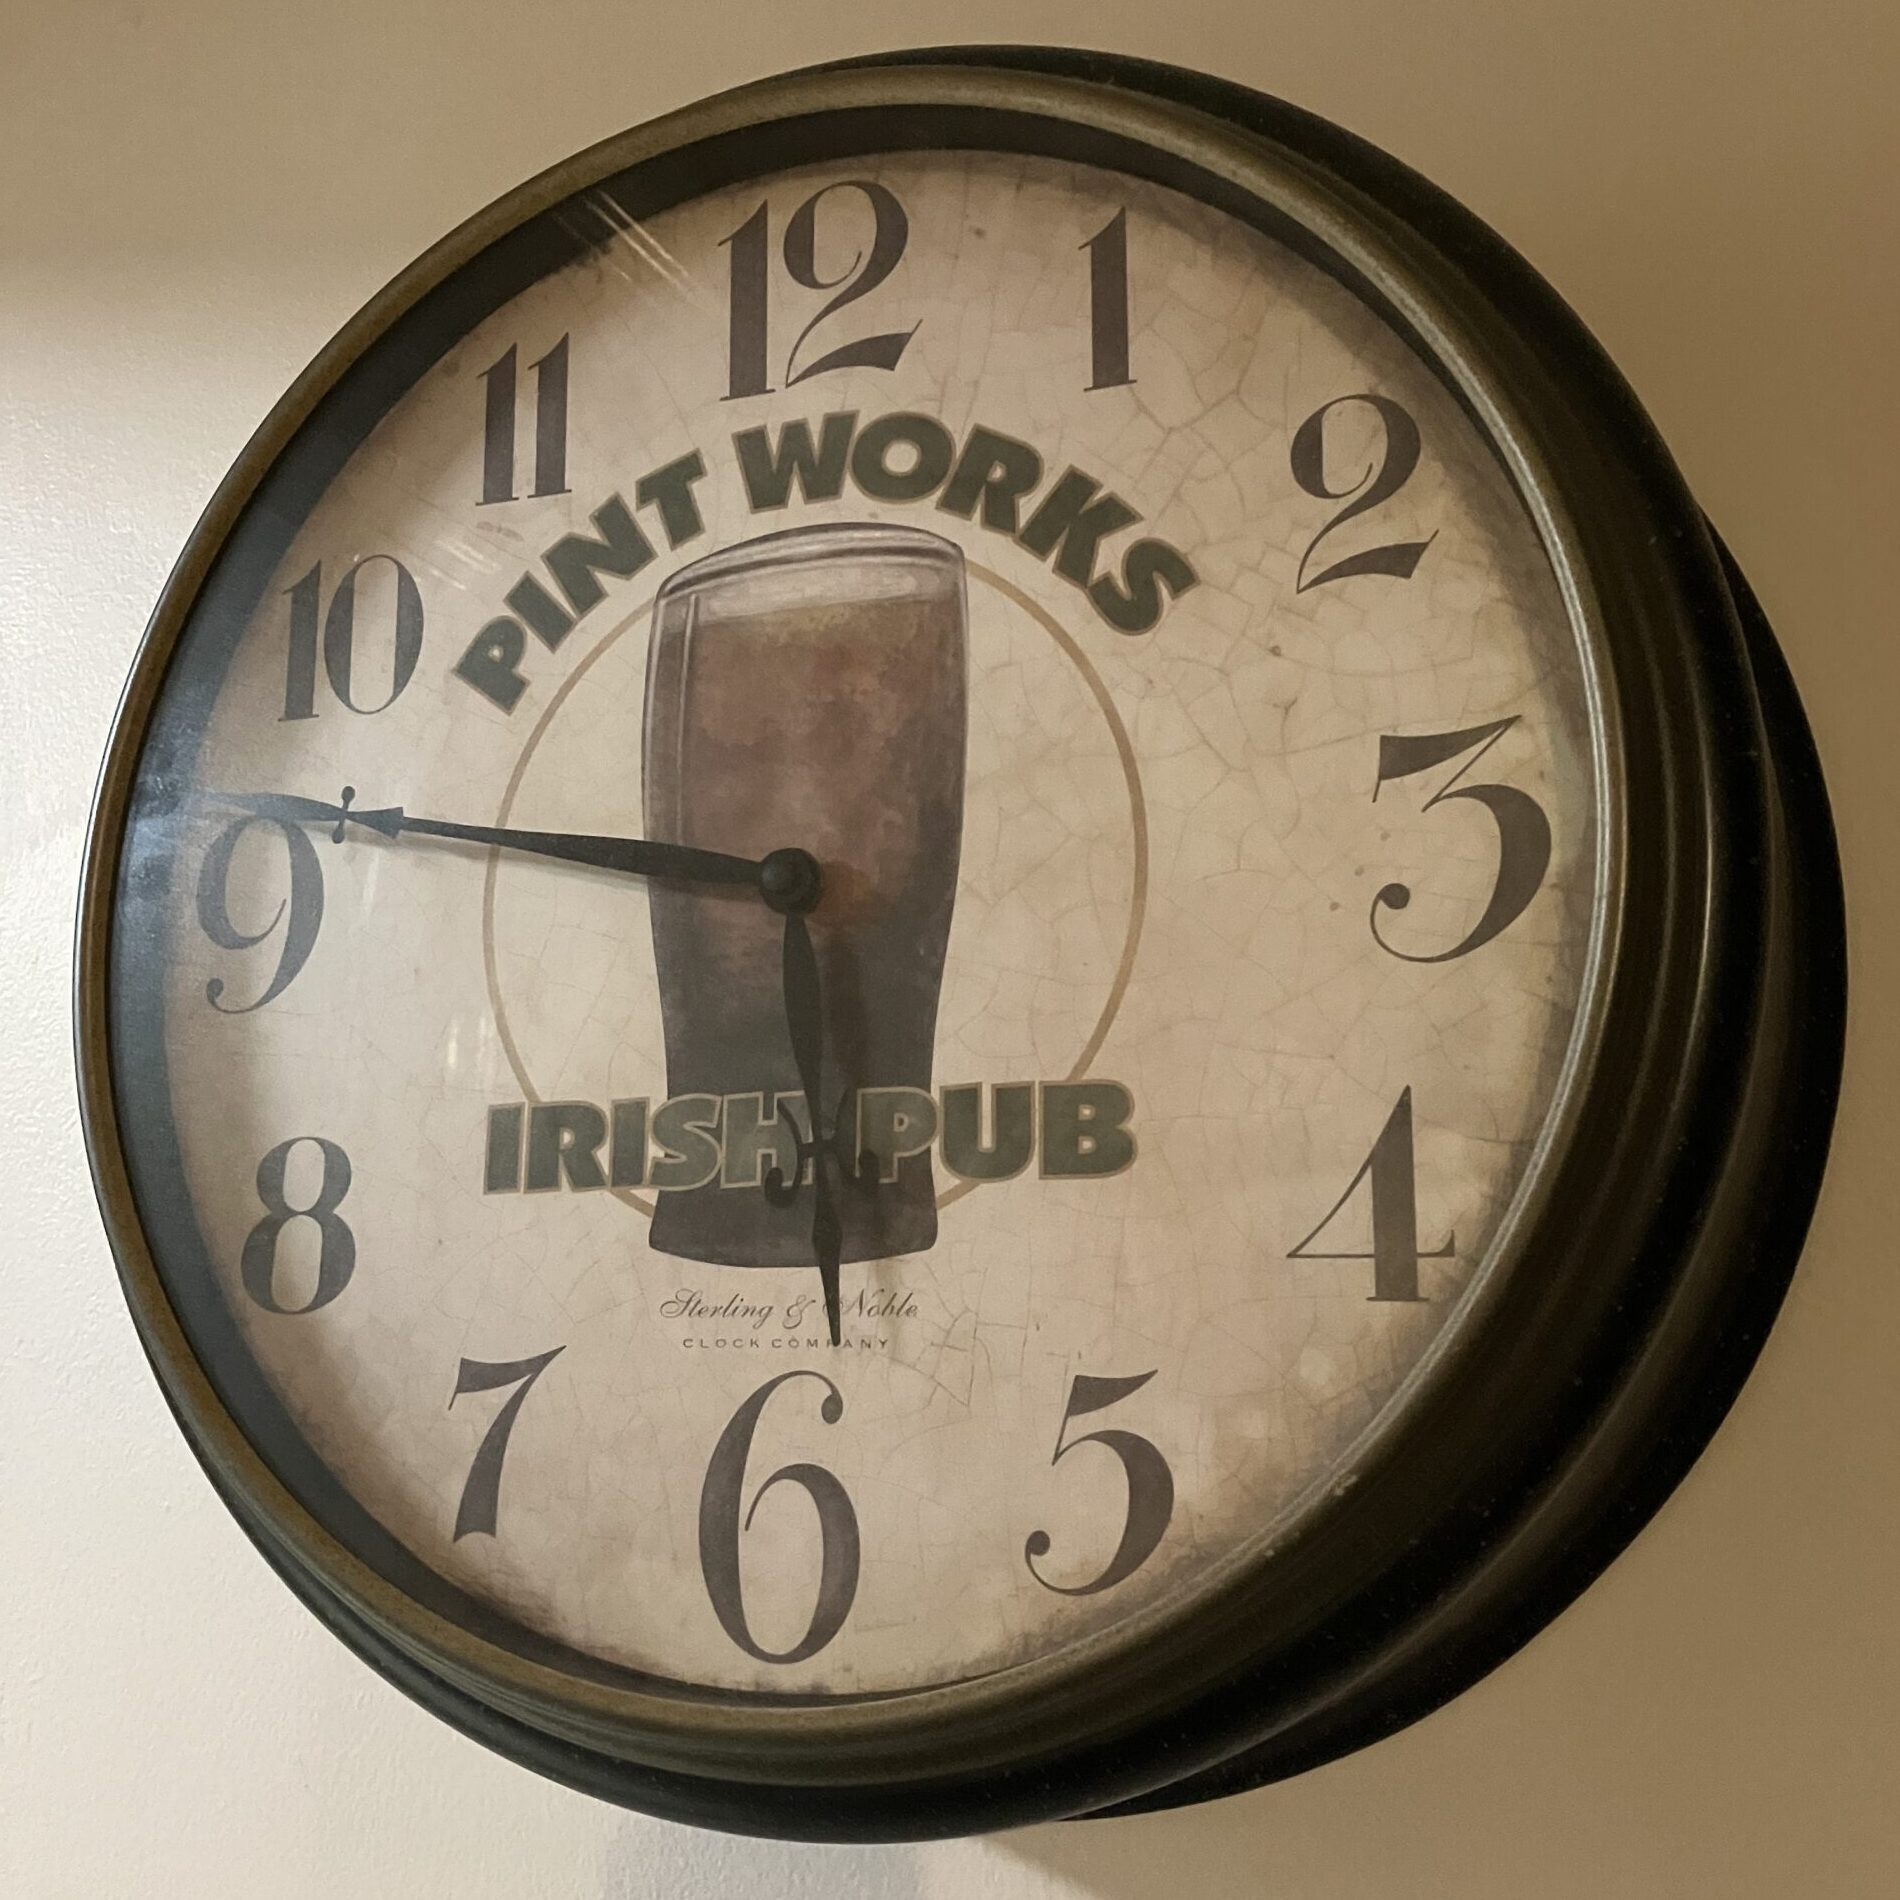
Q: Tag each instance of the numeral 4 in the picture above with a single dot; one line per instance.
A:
(1393, 1182)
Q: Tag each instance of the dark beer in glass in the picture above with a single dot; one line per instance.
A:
(806, 689)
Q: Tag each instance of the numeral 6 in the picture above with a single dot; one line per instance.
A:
(720, 1526)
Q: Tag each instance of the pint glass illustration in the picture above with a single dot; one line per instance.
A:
(807, 689)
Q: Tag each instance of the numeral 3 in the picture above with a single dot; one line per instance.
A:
(1523, 830)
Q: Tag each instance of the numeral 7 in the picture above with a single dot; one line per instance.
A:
(481, 1494)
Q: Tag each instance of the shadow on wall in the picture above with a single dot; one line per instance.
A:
(656, 1860)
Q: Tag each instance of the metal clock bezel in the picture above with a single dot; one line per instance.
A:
(1672, 1202)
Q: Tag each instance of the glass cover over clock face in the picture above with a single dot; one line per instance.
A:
(1179, 704)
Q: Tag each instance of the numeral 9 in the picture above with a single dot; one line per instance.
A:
(300, 914)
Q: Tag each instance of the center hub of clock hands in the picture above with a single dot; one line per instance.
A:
(789, 880)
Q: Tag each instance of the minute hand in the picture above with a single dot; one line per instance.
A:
(634, 857)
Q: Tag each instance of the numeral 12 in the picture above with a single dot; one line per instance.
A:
(749, 305)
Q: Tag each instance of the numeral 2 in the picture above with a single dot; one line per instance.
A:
(1395, 1252)
(550, 425)
(748, 373)
(1396, 463)
(481, 1493)
(1150, 1484)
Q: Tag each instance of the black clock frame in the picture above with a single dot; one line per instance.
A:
(1666, 1228)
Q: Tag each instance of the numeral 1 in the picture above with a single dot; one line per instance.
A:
(746, 316)
(550, 425)
(1108, 303)
(1395, 1252)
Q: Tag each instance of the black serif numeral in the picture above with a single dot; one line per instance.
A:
(550, 425)
(336, 1256)
(1367, 489)
(339, 639)
(1108, 304)
(1150, 1485)
(301, 913)
(1523, 830)
(1394, 1188)
(749, 308)
(481, 1493)
(723, 1516)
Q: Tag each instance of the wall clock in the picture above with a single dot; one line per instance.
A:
(953, 956)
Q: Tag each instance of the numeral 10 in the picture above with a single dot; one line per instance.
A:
(339, 639)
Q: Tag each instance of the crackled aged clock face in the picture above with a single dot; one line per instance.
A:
(1181, 762)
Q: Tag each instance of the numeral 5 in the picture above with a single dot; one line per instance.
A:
(1150, 1484)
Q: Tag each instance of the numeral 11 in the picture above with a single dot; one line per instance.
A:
(550, 425)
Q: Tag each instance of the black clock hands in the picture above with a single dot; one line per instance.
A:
(788, 880)
(805, 1023)
(637, 857)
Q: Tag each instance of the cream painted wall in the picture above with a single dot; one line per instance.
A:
(193, 195)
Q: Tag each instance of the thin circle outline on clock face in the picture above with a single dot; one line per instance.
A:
(1526, 1171)
(1137, 824)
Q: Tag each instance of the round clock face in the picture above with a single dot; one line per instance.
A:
(1178, 702)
